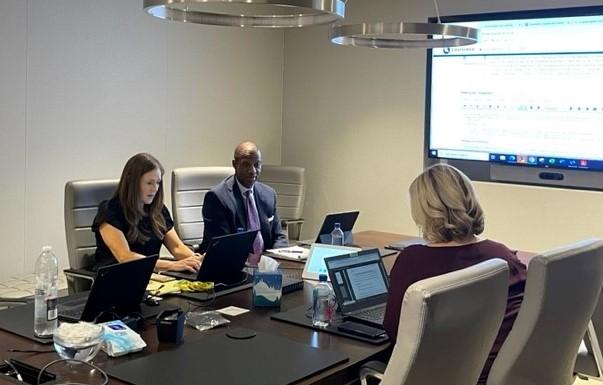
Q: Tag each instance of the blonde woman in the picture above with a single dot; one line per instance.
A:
(446, 209)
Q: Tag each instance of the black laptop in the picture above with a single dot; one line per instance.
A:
(347, 221)
(361, 285)
(224, 260)
(117, 289)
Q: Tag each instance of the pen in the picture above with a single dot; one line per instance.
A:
(158, 290)
(291, 251)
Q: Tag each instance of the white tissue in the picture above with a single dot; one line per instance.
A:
(267, 264)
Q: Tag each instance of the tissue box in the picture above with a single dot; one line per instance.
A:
(267, 288)
(170, 326)
(119, 339)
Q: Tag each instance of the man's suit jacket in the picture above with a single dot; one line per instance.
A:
(224, 212)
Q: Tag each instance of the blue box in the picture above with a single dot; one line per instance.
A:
(267, 288)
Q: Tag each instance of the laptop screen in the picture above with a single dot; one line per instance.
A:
(359, 280)
(315, 264)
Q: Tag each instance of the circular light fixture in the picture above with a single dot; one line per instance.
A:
(403, 35)
(248, 13)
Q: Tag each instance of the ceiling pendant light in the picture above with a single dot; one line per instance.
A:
(248, 13)
(403, 34)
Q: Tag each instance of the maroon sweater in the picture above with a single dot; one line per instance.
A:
(418, 262)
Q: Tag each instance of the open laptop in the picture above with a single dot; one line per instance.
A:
(224, 260)
(117, 288)
(347, 221)
(361, 285)
(315, 264)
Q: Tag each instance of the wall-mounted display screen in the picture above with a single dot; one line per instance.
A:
(524, 104)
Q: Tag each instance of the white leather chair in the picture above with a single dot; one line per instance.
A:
(289, 182)
(562, 290)
(448, 324)
(189, 186)
(81, 205)
(589, 362)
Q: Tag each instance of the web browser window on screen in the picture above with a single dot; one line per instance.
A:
(529, 93)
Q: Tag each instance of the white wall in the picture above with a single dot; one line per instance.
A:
(12, 133)
(87, 84)
(354, 118)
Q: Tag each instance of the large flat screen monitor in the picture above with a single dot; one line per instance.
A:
(523, 105)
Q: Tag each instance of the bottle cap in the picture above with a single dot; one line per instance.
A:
(46, 249)
(337, 224)
(322, 278)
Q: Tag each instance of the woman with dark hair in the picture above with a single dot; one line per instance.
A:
(135, 222)
(445, 207)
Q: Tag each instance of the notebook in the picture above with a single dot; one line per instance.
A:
(401, 245)
(361, 285)
(224, 260)
(117, 288)
(315, 264)
(347, 221)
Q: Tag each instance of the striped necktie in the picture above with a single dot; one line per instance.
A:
(253, 223)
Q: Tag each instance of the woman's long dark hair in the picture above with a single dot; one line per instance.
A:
(128, 194)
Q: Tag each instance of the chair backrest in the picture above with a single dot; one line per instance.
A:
(289, 182)
(562, 290)
(189, 186)
(448, 324)
(82, 198)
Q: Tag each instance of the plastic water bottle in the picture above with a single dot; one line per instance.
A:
(45, 307)
(322, 303)
(337, 235)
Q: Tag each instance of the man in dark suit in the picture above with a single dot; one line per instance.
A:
(241, 202)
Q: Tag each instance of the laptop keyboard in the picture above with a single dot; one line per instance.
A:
(73, 313)
(373, 314)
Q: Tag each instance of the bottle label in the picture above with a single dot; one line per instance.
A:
(51, 309)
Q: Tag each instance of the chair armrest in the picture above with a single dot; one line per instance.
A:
(80, 273)
(289, 221)
(373, 369)
(10, 302)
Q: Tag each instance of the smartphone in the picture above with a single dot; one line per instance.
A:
(361, 330)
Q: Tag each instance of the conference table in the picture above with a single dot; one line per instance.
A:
(358, 352)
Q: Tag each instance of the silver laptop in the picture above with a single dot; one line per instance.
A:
(361, 285)
(315, 264)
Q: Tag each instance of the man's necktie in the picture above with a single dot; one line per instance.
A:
(253, 223)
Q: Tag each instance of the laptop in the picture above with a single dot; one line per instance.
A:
(224, 260)
(361, 285)
(315, 264)
(347, 221)
(404, 243)
(117, 288)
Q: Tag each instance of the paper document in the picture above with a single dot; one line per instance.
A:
(232, 310)
(296, 253)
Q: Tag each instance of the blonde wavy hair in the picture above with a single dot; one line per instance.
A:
(444, 205)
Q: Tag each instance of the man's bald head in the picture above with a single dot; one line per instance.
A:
(245, 149)
(247, 163)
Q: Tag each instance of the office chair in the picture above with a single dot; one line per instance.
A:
(589, 362)
(562, 290)
(81, 204)
(448, 324)
(290, 185)
(189, 186)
